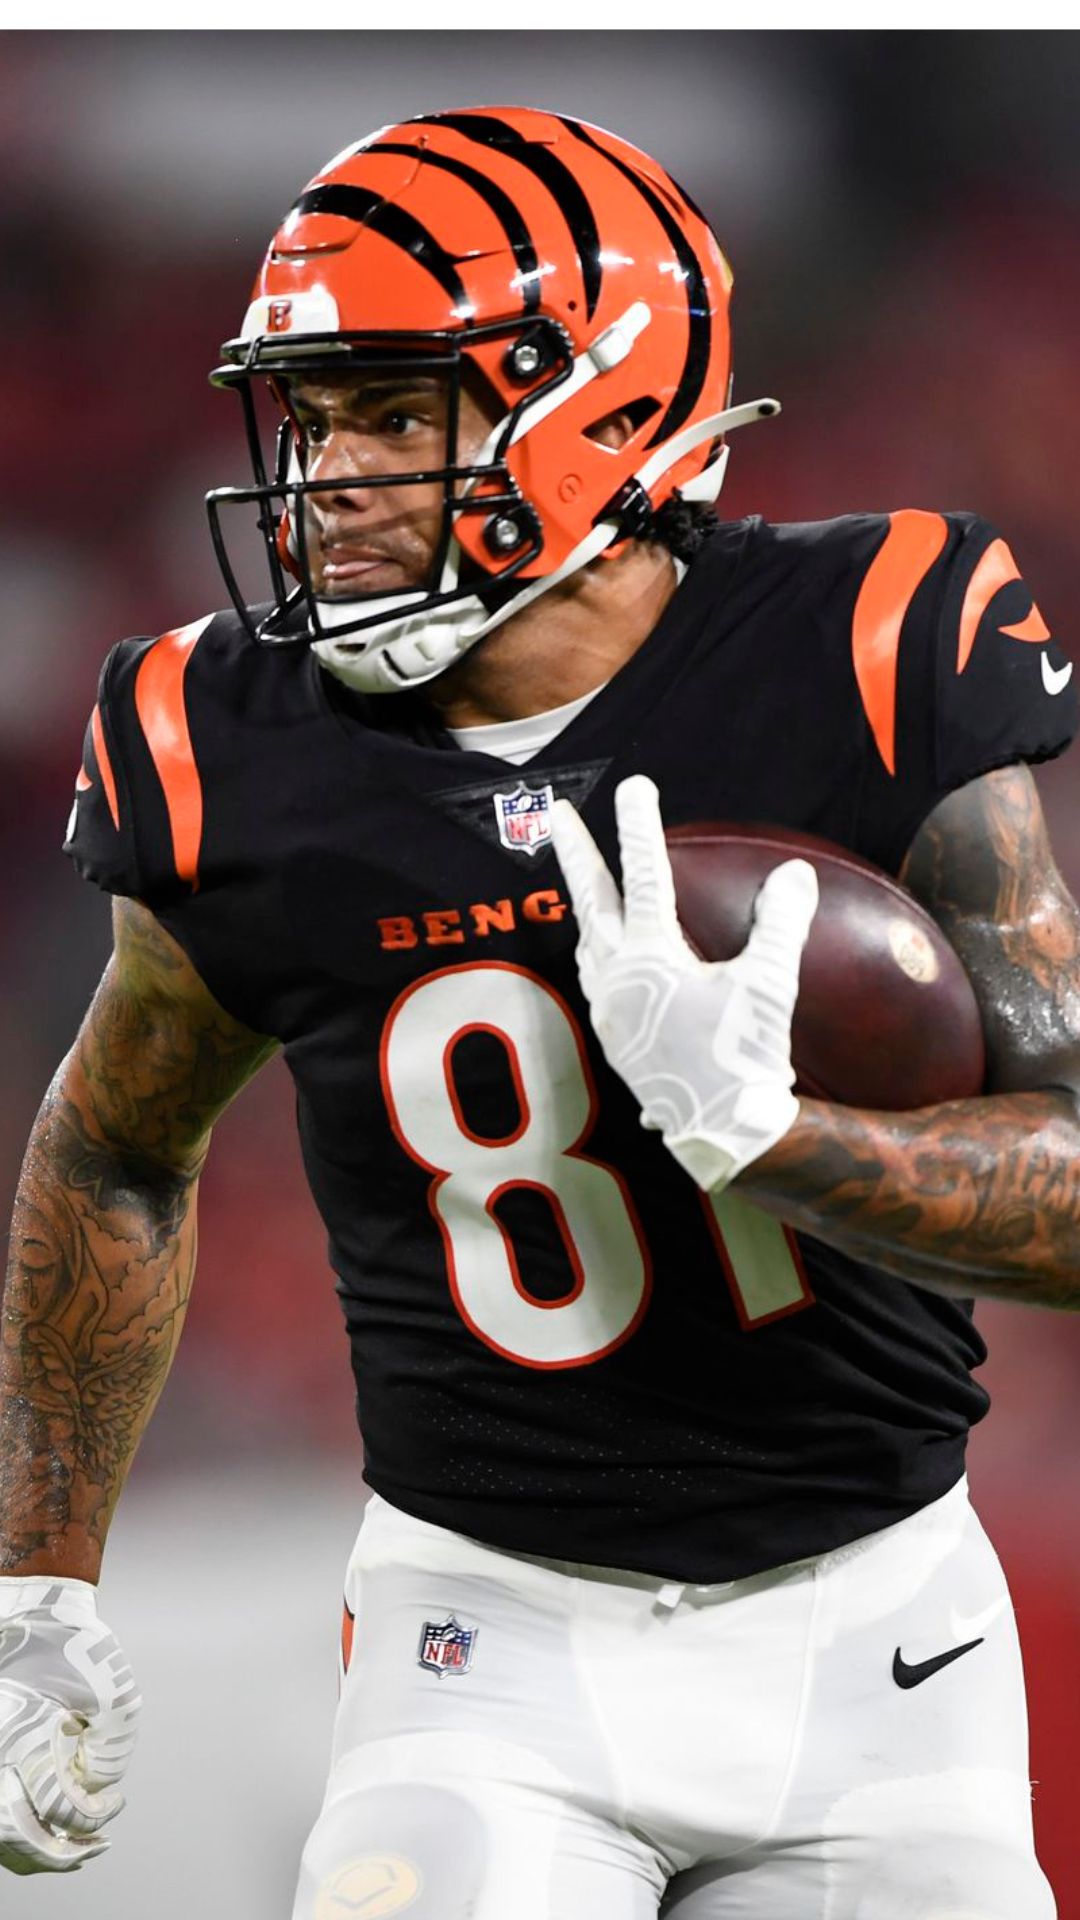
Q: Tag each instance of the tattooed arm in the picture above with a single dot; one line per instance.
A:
(103, 1243)
(974, 1196)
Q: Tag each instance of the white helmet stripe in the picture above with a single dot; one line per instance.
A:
(608, 350)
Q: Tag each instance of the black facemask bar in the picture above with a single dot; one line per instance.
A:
(442, 353)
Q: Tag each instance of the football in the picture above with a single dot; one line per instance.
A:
(886, 1015)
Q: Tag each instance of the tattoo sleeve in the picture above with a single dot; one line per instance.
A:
(103, 1244)
(980, 1196)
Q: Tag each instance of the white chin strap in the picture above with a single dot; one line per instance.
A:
(407, 648)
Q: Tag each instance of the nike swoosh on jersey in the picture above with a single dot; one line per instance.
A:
(913, 1676)
(1055, 679)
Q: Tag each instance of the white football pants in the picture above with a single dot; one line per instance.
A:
(841, 1739)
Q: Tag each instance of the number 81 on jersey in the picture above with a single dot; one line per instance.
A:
(590, 1204)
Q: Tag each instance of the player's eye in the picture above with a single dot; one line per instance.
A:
(399, 422)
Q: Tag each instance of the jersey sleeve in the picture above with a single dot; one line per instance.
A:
(122, 832)
(958, 672)
(1004, 684)
(100, 837)
(168, 810)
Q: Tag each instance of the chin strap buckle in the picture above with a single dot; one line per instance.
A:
(631, 509)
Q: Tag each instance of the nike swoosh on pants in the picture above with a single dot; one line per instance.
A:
(913, 1676)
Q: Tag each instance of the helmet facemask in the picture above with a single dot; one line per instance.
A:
(571, 273)
(477, 493)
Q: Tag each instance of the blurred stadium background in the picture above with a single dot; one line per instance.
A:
(902, 211)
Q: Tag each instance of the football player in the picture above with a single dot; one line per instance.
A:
(668, 1598)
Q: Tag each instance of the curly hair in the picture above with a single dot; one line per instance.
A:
(683, 527)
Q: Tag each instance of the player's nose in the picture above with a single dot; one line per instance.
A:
(353, 460)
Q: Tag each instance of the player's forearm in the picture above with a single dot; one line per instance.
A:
(974, 1197)
(101, 1260)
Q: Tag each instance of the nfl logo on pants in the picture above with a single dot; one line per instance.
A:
(446, 1646)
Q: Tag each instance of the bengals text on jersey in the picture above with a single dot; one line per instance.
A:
(560, 1347)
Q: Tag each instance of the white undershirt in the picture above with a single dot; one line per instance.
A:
(518, 740)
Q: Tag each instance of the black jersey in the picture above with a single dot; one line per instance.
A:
(560, 1346)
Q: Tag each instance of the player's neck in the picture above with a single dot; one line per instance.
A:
(564, 645)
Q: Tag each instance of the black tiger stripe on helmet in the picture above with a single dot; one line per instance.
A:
(699, 341)
(507, 214)
(394, 224)
(489, 131)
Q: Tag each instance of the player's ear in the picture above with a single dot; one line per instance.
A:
(613, 430)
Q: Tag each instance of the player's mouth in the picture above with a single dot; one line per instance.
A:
(360, 569)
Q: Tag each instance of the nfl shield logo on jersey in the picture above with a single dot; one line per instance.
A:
(446, 1646)
(524, 817)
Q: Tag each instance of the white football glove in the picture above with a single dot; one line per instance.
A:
(68, 1707)
(704, 1046)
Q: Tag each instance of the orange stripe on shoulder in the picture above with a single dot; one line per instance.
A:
(101, 755)
(159, 703)
(893, 577)
(995, 570)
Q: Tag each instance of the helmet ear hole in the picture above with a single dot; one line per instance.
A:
(614, 429)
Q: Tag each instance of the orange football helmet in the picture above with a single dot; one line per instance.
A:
(577, 277)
